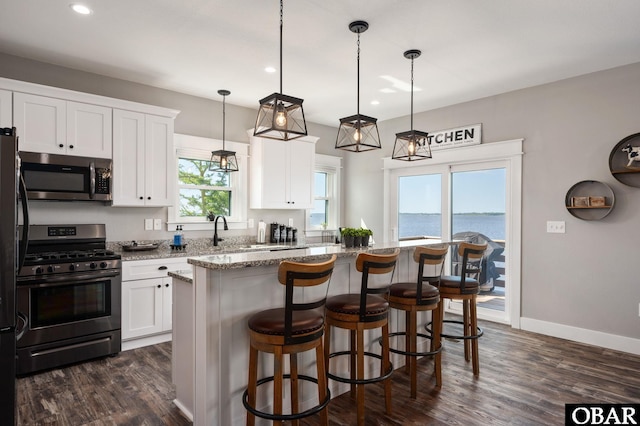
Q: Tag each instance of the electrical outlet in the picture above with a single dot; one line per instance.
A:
(639, 309)
(250, 224)
(290, 222)
(555, 227)
(157, 224)
(148, 224)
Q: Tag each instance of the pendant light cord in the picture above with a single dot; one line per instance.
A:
(281, 24)
(412, 94)
(358, 78)
(224, 120)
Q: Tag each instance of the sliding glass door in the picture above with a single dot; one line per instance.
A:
(478, 201)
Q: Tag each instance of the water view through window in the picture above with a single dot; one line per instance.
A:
(478, 204)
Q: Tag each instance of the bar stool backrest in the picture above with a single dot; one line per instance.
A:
(304, 276)
(471, 255)
(432, 256)
(374, 264)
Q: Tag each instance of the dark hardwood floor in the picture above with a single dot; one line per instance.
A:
(525, 379)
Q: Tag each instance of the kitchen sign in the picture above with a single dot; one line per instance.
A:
(453, 138)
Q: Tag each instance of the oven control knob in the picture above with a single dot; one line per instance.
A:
(38, 270)
(49, 269)
(92, 265)
(103, 265)
(72, 267)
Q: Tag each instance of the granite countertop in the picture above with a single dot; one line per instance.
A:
(312, 253)
(184, 275)
(194, 247)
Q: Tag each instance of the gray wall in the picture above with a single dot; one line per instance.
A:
(198, 117)
(588, 277)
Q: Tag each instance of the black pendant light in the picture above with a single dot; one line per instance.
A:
(358, 132)
(412, 145)
(280, 116)
(223, 160)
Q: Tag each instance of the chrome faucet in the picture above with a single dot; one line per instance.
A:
(215, 229)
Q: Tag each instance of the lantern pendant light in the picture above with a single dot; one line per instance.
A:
(412, 145)
(358, 132)
(223, 160)
(280, 116)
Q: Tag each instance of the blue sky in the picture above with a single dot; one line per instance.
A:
(476, 191)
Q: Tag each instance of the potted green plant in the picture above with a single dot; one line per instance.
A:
(365, 234)
(348, 236)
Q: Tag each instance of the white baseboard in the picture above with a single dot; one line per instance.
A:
(582, 335)
(146, 341)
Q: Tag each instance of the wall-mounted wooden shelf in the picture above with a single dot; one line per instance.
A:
(585, 193)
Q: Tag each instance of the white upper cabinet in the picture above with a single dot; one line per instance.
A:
(57, 126)
(282, 173)
(143, 160)
(6, 114)
(89, 130)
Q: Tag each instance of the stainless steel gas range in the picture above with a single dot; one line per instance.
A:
(70, 288)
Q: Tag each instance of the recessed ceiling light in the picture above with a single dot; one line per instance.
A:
(375, 102)
(80, 8)
(270, 69)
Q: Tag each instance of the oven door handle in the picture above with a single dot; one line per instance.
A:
(69, 278)
(25, 327)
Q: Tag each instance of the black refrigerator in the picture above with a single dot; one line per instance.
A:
(12, 323)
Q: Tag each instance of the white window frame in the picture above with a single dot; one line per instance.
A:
(332, 166)
(187, 146)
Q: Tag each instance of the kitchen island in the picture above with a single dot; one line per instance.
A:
(210, 337)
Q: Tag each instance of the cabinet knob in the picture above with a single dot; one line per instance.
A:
(71, 146)
(141, 198)
(148, 198)
(61, 145)
(159, 286)
(166, 285)
(162, 268)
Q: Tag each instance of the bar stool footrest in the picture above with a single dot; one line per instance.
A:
(285, 417)
(480, 332)
(360, 381)
(415, 354)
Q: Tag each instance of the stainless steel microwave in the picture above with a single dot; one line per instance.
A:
(65, 177)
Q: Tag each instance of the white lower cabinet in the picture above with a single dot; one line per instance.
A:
(147, 301)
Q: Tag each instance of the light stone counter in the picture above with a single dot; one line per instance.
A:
(211, 340)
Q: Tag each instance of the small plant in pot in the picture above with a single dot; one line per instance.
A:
(348, 236)
(365, 234)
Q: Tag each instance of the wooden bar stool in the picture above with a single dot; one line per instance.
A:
(296, 328)
(367, 310)
(465, 287)
(421, 295)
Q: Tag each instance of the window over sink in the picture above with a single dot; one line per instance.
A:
(200, 191)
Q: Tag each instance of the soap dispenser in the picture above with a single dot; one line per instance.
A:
(177, 237)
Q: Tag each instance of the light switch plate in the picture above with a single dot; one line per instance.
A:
(148, 224)
(157, 224)
(555, 226)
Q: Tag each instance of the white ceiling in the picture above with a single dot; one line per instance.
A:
(470, 48)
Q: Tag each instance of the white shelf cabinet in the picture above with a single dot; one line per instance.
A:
(56, 126)
(282, 173)
(143, 159)
(6, 105)
(147, 299)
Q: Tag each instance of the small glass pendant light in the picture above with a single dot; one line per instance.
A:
(413, 144)
(280, 116)
(223, 160)
(358, 132)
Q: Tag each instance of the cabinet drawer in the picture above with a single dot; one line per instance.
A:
(155, 268)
